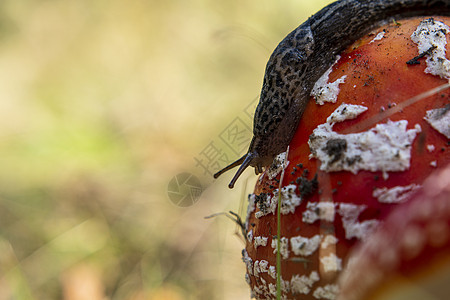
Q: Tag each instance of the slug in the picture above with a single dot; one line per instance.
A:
(302, 57)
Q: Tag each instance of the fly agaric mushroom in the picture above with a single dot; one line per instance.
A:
(374, 130)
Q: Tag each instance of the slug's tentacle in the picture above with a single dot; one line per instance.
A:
(231, 166)
(259, 168)
(248, 159)
(244, 161)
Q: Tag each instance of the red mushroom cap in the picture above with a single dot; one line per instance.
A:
(352, 162)
(408, 251)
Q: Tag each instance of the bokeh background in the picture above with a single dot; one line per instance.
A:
(102, 104)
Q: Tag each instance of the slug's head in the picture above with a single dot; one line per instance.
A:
(252, 158)
(244, 162)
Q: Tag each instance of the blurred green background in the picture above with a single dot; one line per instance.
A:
(102, 103)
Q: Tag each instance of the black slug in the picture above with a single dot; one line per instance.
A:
(302, 57)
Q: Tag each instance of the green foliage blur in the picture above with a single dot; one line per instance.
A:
(101, 104)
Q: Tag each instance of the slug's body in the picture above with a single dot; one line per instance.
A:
(302, 57)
